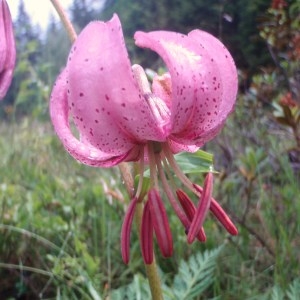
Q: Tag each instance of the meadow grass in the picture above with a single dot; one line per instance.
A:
(60, 221)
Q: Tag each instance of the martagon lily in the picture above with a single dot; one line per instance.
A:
(7, 49)
(121, 117)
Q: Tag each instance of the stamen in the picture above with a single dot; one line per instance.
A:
(160, 223)
(126, 230)
(141, 173)
(220, 214)
(141, 79)
(190, 210)
(202, 209)
(152, 165)
(181, 176)
(186, 203)
(215, 208)
(147, 235)
(181, 215)
(158, 107)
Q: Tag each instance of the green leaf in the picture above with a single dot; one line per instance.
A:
(277, 293)
(190, 163)
(145, 185)
(195, 275)
(138, 289)
(198, 162)
(95, 295)
(293, 291)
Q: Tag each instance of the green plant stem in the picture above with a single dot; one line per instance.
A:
(151, 269)
(65, 20)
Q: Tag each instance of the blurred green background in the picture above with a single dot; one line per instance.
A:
(60, 221)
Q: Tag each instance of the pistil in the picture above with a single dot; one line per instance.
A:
(160, 111)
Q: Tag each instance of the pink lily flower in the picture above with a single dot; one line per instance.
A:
(7, 49)
(120, 117)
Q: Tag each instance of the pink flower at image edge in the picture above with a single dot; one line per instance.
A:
(7, 49)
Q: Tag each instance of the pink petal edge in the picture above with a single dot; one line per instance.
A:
(100, 74)
(59, 114)
(7, 49)
(195, 78)
(229, 78)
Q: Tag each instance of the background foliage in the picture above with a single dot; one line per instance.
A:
(60, 221)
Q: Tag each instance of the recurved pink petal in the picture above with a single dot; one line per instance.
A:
(84, 152)
(103, 95)
(126, 230)
(226, 66)
(160, 223)
(196, 80)
(202, 208)
(181, 147)
(201, 133)
(7, 49)
(147, 235)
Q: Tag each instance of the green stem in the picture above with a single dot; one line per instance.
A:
(151, 269)
(65, 20)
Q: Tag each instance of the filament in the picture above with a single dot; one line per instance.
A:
(181, 215)
(141, 172)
